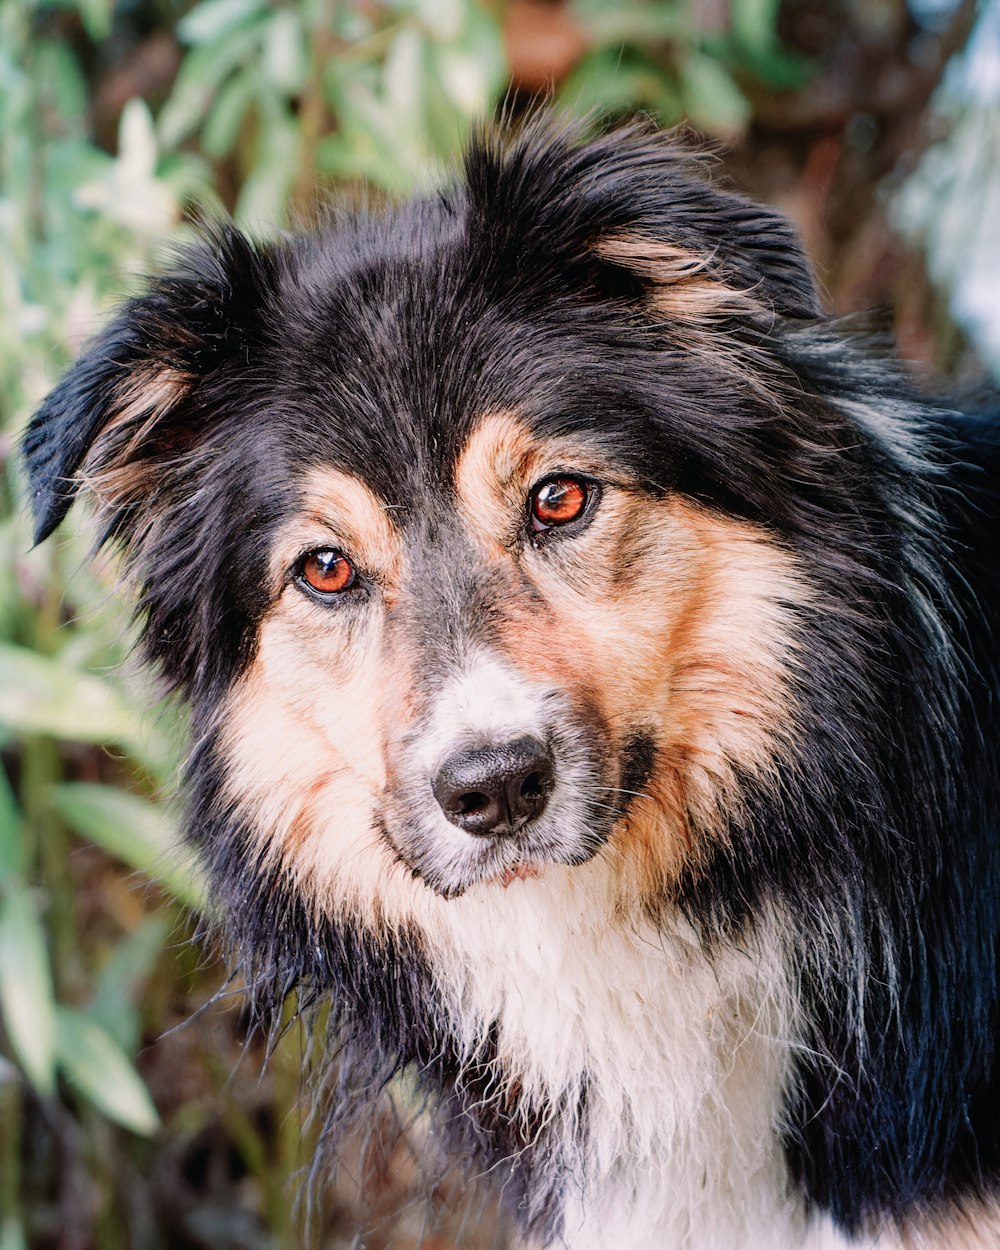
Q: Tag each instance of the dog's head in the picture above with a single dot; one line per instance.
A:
(451, 524)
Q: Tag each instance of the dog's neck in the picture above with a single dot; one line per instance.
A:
(661, 1069)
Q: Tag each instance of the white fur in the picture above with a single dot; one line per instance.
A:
(484, 701)
(685, 1059)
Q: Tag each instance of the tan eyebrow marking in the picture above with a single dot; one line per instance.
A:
(339, 509)
(490, 475)
(501, 460)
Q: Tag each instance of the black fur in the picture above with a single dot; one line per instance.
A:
(371, 345)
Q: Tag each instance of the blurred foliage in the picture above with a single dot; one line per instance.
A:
(263, 83)
(660, 58)
(62, 646)
(115, 121)
(951, 201)
(266, 102)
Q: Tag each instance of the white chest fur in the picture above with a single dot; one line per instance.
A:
(681, 1061)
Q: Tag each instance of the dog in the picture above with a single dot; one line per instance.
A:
(591, 657)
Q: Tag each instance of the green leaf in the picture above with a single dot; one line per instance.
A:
(404, 81)
(223, 122)
(113, 1004)
(38, 694)
(99, 1069)
(200, 77)
(137, 142)
(96, 17)
(59, 69)
(347, 157)
(472, 71)
(12, 543)
(614, 25)
(613, 81)
(11, 847)
(753, 45)
(442, 19)
(711, 97)
(264, 198)
(370, 143)
(286, 64)
(26, 996)
(208, 21)
(132, 828)
(12, 1234)
(754, 24)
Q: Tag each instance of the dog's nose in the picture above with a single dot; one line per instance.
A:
(495, 790)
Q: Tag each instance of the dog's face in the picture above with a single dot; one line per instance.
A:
(443, 524)
(508, 659)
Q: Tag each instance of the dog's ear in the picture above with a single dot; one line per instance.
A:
(643, 207)
(140, 398)
(724, 256)
(692, 285)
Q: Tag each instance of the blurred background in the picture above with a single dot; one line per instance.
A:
(135, 1110)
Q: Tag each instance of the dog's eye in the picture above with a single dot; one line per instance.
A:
(558, 501)
(326, 571)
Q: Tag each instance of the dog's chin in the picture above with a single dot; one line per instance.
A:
(497, 865)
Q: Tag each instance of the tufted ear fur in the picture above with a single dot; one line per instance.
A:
(641, 205)
(144, 395)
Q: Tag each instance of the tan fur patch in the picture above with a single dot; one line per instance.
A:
(969, 1225)
(113, 468)
(305, 750)
(696, 646)
(305, 730)
(685, 290)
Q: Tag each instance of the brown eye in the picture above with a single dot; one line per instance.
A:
(558, 501)
(326, 571)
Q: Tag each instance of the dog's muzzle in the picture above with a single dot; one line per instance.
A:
(499, 777)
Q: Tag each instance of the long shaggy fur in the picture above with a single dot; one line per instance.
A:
(765, 1014)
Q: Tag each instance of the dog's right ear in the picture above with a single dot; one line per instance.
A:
(146, 392)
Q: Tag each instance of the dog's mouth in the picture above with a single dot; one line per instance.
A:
(519, 872)
(528, 866)
(450, 861)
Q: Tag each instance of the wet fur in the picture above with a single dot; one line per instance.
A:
(751, 998)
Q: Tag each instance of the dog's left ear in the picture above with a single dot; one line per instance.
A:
(149, 388)
(740, 260)
(702, 250)
(642, 207)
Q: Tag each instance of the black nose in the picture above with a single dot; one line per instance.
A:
(495, 790)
